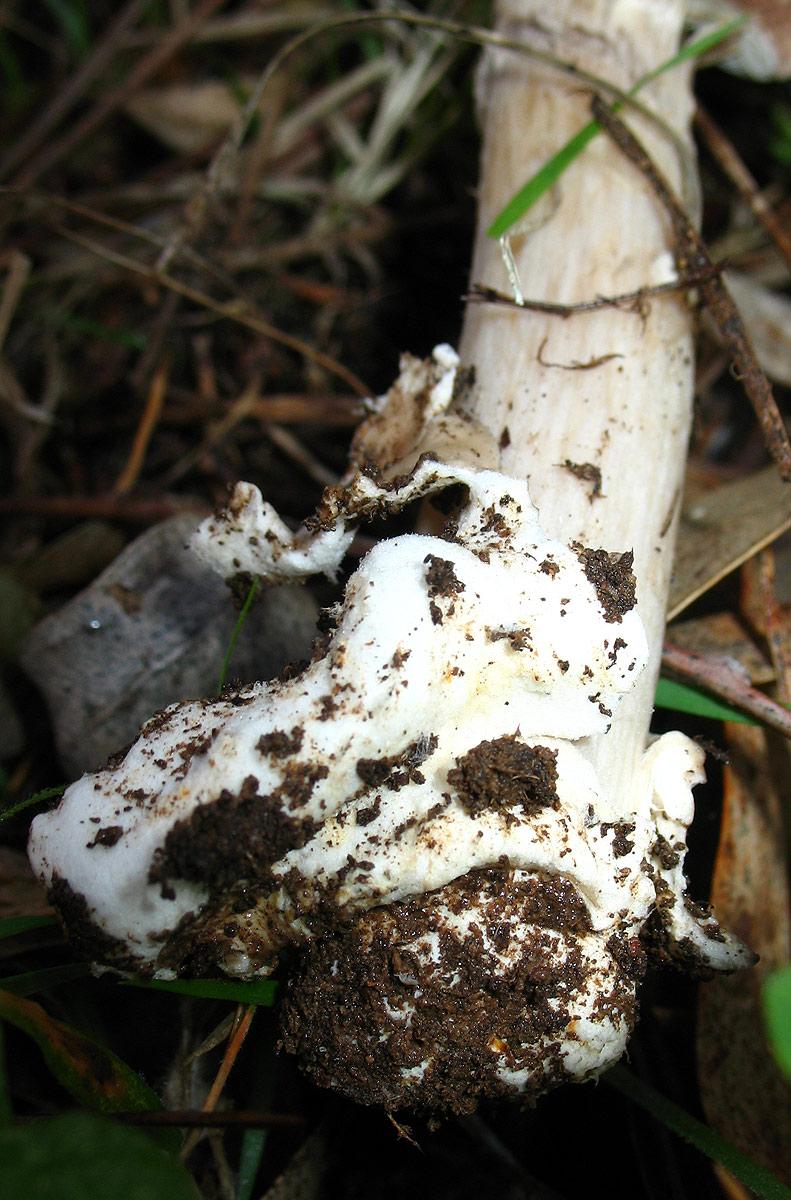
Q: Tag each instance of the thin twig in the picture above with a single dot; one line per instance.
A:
(296, 408)
(479, 294)
(299, 454)
(18, 273)
(323, 294)
(228, 309)
(689, 251)
(190, 1118)
(717, 676)
(734, 167)
(101, 508)
(155, 341)
(240, 409)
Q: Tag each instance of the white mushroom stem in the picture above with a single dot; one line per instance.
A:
(602, 232)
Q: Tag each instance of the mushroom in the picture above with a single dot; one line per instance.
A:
(414, 808)
(450, 819)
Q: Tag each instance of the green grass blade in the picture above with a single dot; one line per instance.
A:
(694, 49)
(127, 338)
(37, 798)
(542, 181)
(237, 630)
(760, 1181)
(536, 186)
(263, 1066)
(260, 991)
(680, 697)
(776, 1004)
(252, 1152)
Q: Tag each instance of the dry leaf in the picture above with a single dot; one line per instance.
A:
(185, 117)
(21, 894)
(721, 529)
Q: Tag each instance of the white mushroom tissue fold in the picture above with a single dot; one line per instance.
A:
(413, 810)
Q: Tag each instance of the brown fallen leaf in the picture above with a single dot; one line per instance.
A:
(720, 530)
(744, 1096)
(722, 635)
(21, 894)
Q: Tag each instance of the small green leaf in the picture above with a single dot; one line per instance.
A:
(776, 1003)
(260, 991)
(128, 338)
(30, 982)
(542, 181)
(752, 1174)
(12, 926)
(96, 1077)
(539, 183)
(80, 1156)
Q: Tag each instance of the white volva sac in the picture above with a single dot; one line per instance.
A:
(435, 744)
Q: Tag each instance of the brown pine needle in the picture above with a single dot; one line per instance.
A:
(145, 429)
(19, 266)
(242, 1022)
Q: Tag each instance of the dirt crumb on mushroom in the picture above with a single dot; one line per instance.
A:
(506, 774)
(612, 577)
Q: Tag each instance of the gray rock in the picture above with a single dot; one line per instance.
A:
(153, 628)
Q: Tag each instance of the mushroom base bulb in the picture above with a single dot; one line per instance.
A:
(412, 816)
